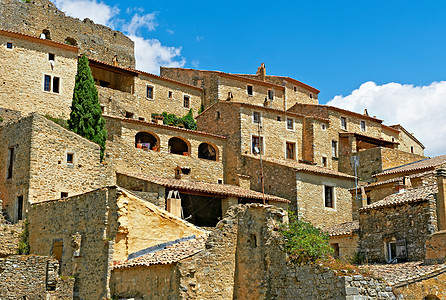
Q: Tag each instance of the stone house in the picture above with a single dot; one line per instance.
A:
(185, 198)
(37, 74)
(344, 239)
(131, 93)
(91, 232)
(161, 150)
(41, 160)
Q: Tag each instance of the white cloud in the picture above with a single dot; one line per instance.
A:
(195, 63)
(150, 55)
(140, 21)
(199, 38)
(99, 12)
(419, 109)
(170, 31)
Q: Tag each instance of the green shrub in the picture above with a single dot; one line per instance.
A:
(171, 119)
(358, 258)
(24, 239)
(304, 242)
(59, 120)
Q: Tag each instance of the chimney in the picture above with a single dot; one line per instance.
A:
(441, 199)
(261, 72)
(173, 203)
(407, 183)
(115, 60)
(363, 197)
(366, 113)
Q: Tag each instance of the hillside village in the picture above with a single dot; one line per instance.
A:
(175, 212)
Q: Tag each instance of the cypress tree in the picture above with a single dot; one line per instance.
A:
(86, 115)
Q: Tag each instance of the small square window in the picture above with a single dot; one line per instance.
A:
(9, 45)
(256, 117)
(270, 95)
(129, 115)
(279, 118)
(170, 94)
(249, 90)
(63, 194)
(363, 126)
(220, 181)
(186, 101)
(295, 88)
(149, 93)
(70, 158)
(323, 127)
(328, 196)
(290, 124)
(343, 123)
(51, 56)
(290, 150)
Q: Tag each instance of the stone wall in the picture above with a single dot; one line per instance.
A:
(123, 156)
(96, 41)
(348, 244)
(428, 285)
(412, 222)
(33, 277)
(22, 75)
(8, 115)
(10, 236)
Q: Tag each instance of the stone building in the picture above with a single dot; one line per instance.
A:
(91, 232)
(41, 160)
(37, 75)
(261, 90)
(41, 19)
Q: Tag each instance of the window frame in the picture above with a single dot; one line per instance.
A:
(185, 96)
(254, 112)
(52, 83)
(51, 54)
(261, 144)
(292, 123)
(324, 161)
(334, 153)
(9, 43)
(294, 150)
(152, 92)
(362, 128)
(272, 94)
(344, 123)
(333, 196)
(252, 90)
(71, 161)
(10, 163)
(170, 94)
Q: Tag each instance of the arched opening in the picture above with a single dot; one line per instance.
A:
(70, 41)
(146, 141)
(207, 151)
(431, 297)
(178, 146)
(45, 34)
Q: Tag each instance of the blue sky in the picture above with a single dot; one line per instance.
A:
(336, 46)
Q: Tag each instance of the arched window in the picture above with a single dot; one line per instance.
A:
(70, 41)
(207, 151)
(146, 141)
(178, 146)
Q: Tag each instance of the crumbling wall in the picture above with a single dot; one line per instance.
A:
(96, 41)
(33, 277)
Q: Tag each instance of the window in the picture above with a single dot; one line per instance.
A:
(47, 83)
(8, 45)
(343, 123)
(362, 125)
(10, 164)
(149, 93)
(58, 249)
(311, 96)
(249, 90)
(335, 247)
(334, 148)
(295, 88)
(323, 127)
(141, 119)
(328, 196)
(102, 108)
(411, 149)
(324, 161)
(218, 115)
(70, 158)
(63, 194)
(270, 95)
(170, 94)
(256, 117)
(20, 205)
(279, 118)
(289, 123)
(129, 115)
(290, 150)
(51, 56)
(257, 145)
(220, 181)
(55, 87)
(186, 101)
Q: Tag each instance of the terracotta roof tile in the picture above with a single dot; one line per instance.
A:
(22, 36)
(206, 187)
(423, 164)
(410, 196)
(168, 255)
(346, 228)
(304, 167)
(404, 273)
(396, 179)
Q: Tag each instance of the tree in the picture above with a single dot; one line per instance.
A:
(86, 115)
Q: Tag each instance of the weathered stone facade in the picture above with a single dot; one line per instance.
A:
(41, 16)
(33, 277)
(7, 115)
(47, 160)
(24, 71)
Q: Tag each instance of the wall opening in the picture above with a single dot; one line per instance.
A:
(20, 206)
(45, 34)
(70, 41)
(207, 151)
(146, 141)
(178, 146)
(195, 213)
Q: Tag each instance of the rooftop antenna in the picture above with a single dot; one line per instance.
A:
(259, 131)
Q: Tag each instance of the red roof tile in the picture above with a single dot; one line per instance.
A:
(22, 36)
(427, 163)
(347, 228)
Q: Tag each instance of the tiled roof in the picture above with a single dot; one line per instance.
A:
(304, 167)
(401, 128)
(164, 126)
(168, 255)
(346, 228)
(379, 140)
(22, 36)
(206, 187)
(410, 196)
(423, 164)
(392, 180)
(404, 273)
